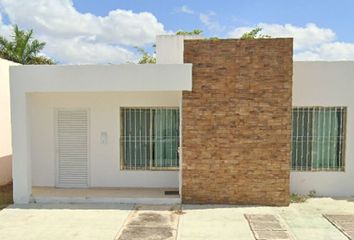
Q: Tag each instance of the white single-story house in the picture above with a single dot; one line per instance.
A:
(214, 121)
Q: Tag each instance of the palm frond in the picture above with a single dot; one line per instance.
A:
(22, 48)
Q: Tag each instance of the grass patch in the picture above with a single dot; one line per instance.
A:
(296, 198)
(312, 194)
(5, 195)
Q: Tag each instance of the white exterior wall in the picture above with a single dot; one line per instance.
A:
(5, 123)
(326, 84)
(170, 48)
(28, 81)
(104, 159)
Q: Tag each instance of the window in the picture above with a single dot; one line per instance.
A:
(318, 138)
(149, 138)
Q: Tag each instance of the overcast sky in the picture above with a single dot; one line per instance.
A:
(105, 31)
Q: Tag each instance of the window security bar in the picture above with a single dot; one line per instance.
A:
(318, 138)
(149, 138)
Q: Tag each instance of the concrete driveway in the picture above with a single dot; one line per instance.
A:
(104, 221)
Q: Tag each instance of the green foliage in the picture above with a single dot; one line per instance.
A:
(145, 58)
(41, 60)
(312, 194)
(254, 34)
(295, 198)
(214, 38)
(194, 32)
(22, 48)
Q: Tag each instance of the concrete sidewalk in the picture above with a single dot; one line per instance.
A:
(304, 220)
(62, 221)
(104, 221)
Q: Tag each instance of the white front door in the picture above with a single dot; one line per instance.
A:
(72, 147)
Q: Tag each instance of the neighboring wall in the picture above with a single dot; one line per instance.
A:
(237, 122)
(104, 116)
(5, 123)
(5, 170)
(326, 84)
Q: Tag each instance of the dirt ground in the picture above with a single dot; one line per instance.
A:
(5, 195)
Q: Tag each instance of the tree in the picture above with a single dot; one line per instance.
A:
(22, 48)
(194, 32)
(146, 58)
(41, 60)
(254, 34)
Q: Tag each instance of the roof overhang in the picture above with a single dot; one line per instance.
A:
(96, 78)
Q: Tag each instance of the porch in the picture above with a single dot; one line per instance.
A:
(99, 132)
(106, 195)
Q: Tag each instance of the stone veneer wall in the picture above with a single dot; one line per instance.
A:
(237, 122)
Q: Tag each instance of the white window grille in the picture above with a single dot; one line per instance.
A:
(318, 138)
(149, 138)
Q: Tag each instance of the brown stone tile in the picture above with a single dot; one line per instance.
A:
(267, 227)
(341, 218)
(271, 235)
(344, 223)
(346, 226)
(150, 223)
(261, 226)
(237, 122)
(350, 234)
(142, 233)
(261, 217)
